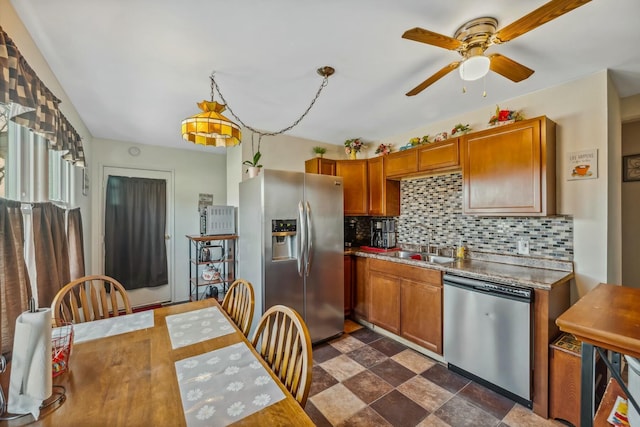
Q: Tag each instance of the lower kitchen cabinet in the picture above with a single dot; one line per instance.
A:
(361, 288)
(421, 314)
(348, 285)
(407, 301)
(385, 300)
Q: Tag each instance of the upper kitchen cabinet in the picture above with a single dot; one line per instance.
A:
(355, 184)
(320, 166)
(384, 194)
(439, 156)
(424, 159)
(510, 170)
(401, 164)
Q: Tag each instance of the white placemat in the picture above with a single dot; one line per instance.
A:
(197, 326)
(224, 386)
(112, 326)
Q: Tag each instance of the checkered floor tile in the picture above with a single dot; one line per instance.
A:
(365, 379)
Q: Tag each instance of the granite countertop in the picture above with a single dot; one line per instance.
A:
(531, 276)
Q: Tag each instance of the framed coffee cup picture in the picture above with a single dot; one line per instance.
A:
(631, 168)
(583, 164)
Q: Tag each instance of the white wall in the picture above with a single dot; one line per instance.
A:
(630, 108)
(194, 172)
(614, 190)
(281, 152)
(630, 209)
(12, 25)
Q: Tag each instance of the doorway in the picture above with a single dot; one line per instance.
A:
(150, 192)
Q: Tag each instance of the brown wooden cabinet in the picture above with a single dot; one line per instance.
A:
(439, 156)
(356, 186)
(510, 170)
(366, 189)
(361, 288)
(320, 166)
(407, 300)
(384, 310)
(401, 163)
(348, 285)
(384, 194)
(421, 314)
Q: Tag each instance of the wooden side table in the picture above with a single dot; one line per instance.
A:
(605, 318)
(564, 379)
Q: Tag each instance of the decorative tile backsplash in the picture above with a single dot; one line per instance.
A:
(436, 203)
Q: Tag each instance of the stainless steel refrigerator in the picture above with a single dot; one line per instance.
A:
(291, 246)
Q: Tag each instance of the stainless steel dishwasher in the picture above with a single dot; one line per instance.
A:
(487, 334)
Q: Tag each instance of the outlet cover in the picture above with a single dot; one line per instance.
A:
(523, 247)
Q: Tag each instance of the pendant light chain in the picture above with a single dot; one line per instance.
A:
(214, 84)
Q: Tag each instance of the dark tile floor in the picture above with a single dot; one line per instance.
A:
(365, 379)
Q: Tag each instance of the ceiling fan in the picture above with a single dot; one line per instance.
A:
(474, 37)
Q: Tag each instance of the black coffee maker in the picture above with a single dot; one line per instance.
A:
(383, 233)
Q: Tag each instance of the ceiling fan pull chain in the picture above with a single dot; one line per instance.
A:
(484, 87)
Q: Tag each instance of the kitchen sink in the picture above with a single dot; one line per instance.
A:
(437, 258)
(423, 256)
(406, 254)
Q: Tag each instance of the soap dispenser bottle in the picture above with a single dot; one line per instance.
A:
(460, 252)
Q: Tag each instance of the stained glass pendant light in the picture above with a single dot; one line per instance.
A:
(210, 127)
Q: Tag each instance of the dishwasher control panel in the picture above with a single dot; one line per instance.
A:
(508, 290)
(489, 287)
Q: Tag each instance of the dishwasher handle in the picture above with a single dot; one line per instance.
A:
(495, 289)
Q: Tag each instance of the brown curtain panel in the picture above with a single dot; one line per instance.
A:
(76, 244)
(135, 223)
(15, 288)
(51, 249)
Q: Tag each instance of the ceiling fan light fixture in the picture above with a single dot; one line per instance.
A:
(474, 67)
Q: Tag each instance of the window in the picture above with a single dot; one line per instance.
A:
(31, 172)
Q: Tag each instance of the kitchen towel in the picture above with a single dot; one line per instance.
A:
(30, 381)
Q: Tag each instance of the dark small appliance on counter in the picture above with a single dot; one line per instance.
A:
(383, 233)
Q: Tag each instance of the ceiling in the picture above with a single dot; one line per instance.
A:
(134, 69)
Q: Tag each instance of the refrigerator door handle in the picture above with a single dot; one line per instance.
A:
(309, 239)
(301, 237)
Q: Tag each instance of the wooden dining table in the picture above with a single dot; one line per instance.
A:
(130, 379)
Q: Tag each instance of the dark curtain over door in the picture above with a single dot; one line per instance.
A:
(135, 217)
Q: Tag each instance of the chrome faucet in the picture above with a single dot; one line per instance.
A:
(428, 245)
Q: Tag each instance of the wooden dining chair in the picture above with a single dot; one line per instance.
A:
(90, 298)
(239, 302)
(283, 341)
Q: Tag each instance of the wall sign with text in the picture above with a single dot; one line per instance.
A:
(583, 164)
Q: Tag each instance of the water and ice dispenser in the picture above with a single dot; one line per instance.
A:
(284, 239)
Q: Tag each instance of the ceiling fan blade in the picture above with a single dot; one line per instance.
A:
(429, 37)
(431, 80)
(509, 68)
(541, 15)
